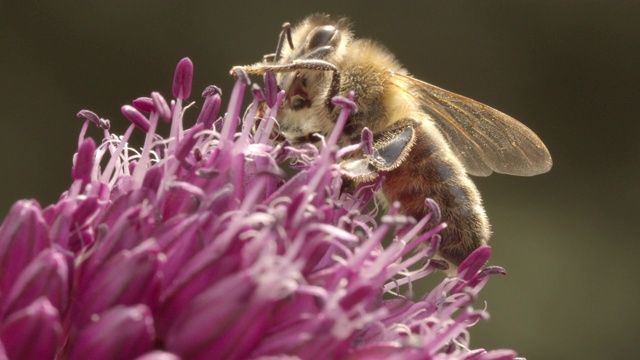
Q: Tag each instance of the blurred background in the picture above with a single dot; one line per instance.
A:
(570, 239)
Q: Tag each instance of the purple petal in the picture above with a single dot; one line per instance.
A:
(367, 139)
(209, 111)
(91, 116)
(359, 296)
(178, 252)
(144, 104)
(120, 333)
(271, 88)
(153, 179)
(492, 270)
(235, 103)
(158, 355)
(211, 90)
(85, 210)
(23, 235)
(49, 276)
(477, 279)
(220, 322)
(205, 268)
(84, 161)
(258, 94)
(439, 264)
(502, 354)
(182, 79)
(345, 102)
(348, 107)
(136, 117)
(129, 278)
(125, 229)
(474, 262)
(186, 144)
(242, 76)
(34, 332)
(160, 105)
(435, 210)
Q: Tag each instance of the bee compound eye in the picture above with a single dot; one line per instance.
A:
(321, 36)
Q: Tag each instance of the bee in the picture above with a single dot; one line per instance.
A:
(427, 140)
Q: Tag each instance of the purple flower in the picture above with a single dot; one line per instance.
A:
(198, 247)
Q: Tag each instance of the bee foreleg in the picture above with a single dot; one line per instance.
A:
(308, 64)
(303, 64)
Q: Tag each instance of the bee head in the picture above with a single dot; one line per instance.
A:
(318, 37)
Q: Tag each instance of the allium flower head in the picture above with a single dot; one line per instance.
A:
(197, 246)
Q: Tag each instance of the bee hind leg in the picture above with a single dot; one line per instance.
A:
(390, 150)
(392, 147)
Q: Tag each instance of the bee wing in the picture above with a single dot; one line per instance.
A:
(482, 138)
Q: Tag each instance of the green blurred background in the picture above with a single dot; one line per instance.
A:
(569, 70)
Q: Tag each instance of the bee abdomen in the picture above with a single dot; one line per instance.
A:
(432, 171)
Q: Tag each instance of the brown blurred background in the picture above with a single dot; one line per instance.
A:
(570, 70)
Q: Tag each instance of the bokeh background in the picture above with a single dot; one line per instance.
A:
(570, 70)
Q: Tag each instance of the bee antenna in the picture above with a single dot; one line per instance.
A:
(286, 32)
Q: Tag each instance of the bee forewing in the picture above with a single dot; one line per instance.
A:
(482, 138)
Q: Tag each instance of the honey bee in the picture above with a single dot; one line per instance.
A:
(427, 140)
